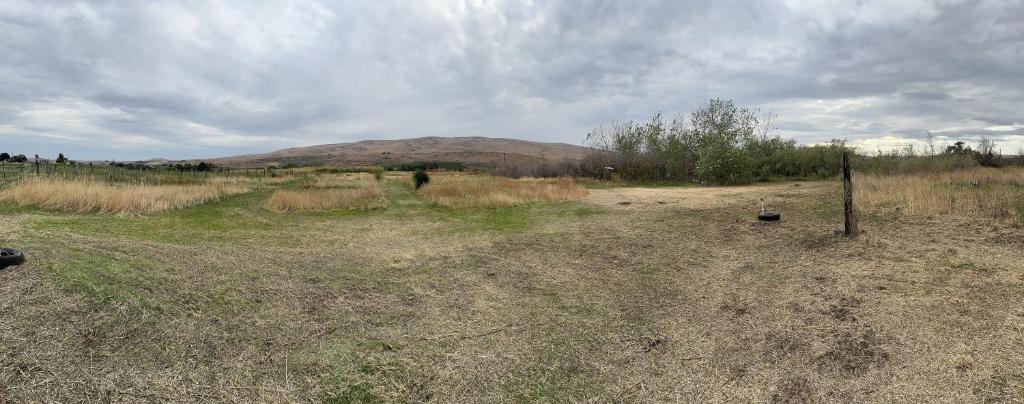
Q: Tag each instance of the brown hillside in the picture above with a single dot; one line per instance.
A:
(472, 151)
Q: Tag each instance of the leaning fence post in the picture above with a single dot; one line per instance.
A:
(849, 212)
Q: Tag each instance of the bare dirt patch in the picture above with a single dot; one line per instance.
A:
(699, 197)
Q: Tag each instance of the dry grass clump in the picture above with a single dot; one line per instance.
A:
(327, 199)
(343, 180)
(89, 196)
(493, 192)
(337, 180)
(981, 192)
(330, 192)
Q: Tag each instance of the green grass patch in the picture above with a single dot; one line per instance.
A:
(104, 279)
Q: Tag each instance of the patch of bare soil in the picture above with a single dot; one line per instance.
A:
(700, 197)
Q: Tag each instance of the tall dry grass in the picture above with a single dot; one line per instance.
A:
(463, 191)
(995, 193)
(333, 191)
(342, 180)
(89, 196)
(326, 199)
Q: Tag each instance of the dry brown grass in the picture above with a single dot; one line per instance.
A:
(460, 191)
(89, 196)
(327, 199)
(343, 180)
(330, 192)
(665, 304)
(982, 192)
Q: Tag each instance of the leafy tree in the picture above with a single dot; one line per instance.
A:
(986, 152)
(61, 159)
(19, 159)
(721, 131)
(718, 143)
(4, 156)
(958, 149)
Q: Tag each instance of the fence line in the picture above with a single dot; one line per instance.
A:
(12, 172)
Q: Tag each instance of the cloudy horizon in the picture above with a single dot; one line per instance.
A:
(136, 80)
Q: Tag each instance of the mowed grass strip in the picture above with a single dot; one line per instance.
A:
(494, 192)
(326, 199)
(89, 196)
(981, 192)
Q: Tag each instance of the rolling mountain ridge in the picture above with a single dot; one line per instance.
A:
(475, 152)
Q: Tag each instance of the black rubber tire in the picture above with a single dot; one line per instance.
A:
(10, 256)
(769, 217)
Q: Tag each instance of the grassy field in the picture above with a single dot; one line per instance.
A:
(979, 193)
(626, 295)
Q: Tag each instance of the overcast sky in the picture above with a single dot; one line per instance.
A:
(141, 79)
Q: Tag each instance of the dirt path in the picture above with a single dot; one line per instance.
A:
(702, 197)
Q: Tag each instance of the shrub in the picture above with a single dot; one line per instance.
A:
(722, 163)
(718, 143)
(420, 178)
(378, 173)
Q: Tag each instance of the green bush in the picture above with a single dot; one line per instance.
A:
(722, 143)
(420, 178)
(722, 163)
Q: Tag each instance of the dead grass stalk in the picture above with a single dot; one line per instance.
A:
(89, 196)
(493, 192)
(981, 192)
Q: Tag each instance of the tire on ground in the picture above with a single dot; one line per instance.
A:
(769, 217)
(10, 256)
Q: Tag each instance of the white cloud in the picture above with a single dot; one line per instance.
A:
(194, 78)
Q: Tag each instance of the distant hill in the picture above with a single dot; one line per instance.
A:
(475, 152)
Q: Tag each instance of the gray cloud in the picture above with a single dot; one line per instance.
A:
(111, 79)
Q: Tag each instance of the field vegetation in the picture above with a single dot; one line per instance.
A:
(979, 193)
(327, 192)
(493, 192)
(80, 196)
(369, 197)
(722, 143)
(480, 288)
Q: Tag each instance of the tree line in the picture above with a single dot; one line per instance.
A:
(7, 158)
(719, 143)
(202, 166)
(722, 143)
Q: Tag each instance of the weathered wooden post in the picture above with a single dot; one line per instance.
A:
(848, 210)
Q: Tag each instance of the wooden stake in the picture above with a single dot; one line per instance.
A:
(848, 211)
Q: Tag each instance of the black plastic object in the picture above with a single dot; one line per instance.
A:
(10, 256)
(769, 217)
